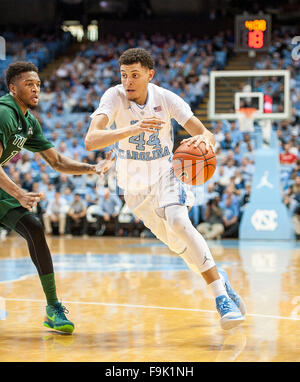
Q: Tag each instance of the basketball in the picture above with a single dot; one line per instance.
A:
(194, 165)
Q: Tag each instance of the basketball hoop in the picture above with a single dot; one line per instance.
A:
(246, 117)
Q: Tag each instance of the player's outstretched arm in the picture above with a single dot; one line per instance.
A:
(97, 137)
(62, 163)
(199, 133)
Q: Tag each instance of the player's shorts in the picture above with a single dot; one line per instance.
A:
(10, 210)
(149, 206)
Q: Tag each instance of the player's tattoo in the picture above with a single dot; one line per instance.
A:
(46, 158)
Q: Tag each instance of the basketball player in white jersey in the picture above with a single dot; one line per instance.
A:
(143, 140)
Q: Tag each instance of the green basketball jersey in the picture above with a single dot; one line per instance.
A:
(17, 131)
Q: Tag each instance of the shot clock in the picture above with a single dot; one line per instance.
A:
(252, 32)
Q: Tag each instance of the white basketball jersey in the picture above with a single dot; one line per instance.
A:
(144, 158)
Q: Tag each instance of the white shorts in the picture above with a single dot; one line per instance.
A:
(149, 206)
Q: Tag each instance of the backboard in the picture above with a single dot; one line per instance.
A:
(266, 90)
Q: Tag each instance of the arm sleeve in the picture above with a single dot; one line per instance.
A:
(6, 126)
(108, 105)
(178, 108)
(37, 142)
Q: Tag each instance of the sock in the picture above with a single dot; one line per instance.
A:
(48, 284)
(218, 288)
(222, 278)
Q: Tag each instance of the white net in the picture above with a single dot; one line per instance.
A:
(246, 117)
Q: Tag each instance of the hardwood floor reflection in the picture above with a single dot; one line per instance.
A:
(134, 300)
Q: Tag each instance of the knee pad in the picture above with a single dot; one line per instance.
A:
(30, 226)
(177, 217)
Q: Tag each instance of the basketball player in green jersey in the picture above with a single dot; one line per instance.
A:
(20, 129)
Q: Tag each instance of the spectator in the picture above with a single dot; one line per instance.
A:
(235, 133)
(76, 217)
(27, 182)
(212, 227)
(227, 143)
(287, 157)
(237, 155)
(79, 107)
(211, 192)
(76, 148)
(24, 164)
(295, 171)
(63, 181)
(229, 204)
(63, 148)
(56, 214)
(91, 180)
(69, 102)
(293, 195)
(129, 224)
(238, 180)
(79, 184)
(244, 198)
(68, 195)
(229, 169)
(92, 196)
(222, 179)
(195, 89)
(247, 169)
(109, 208)
(204, 79)
(218, 132)
(246, 144)
(44, 182)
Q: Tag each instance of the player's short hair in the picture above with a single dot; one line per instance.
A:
(137, 55)
(17, 68)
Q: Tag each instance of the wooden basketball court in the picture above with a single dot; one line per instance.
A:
(134, 300)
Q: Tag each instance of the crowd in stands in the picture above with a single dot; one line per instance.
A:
(85, 205)
(37, 46)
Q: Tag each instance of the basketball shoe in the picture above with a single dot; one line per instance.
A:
(56, 319)
(231, 293)
(229, 312)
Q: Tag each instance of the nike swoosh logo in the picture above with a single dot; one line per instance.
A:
(51, 317)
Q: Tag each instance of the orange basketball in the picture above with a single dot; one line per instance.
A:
(194, 165)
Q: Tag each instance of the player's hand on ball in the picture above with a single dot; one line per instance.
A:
(103, 166)
(29, 200)
(208, 138)
(150, 124)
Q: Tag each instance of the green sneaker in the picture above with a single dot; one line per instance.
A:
(56, 319)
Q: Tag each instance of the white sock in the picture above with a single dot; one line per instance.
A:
(222, 278)
(218, 289)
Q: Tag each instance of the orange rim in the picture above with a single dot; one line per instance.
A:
(247, 111)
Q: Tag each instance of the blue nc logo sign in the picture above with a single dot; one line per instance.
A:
(2, 48)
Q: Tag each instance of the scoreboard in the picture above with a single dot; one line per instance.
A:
(252, 33)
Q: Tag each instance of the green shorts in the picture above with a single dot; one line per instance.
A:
(10, 210)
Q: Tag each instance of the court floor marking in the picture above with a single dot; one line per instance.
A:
(154, 307)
